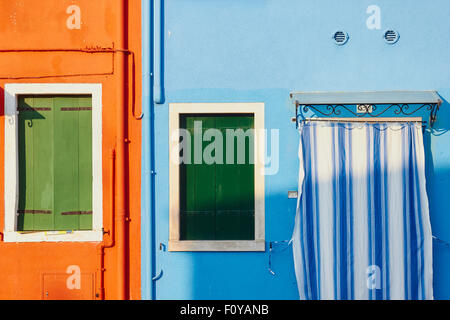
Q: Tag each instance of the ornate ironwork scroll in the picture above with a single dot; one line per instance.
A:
(375, 110)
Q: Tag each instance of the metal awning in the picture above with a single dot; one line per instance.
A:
(368, 103)
(367, 97)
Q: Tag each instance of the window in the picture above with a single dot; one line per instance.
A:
(217, 203)
(53, 170)
(55, 163)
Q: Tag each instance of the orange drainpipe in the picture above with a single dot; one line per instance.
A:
(112, 230)
(121, 145)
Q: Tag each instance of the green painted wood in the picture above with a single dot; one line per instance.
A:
(198, 217)
(85, 162)
(43, 165)
(217, 200)
(55, 163)
(26, 176)
(66, 145)
(235, 195)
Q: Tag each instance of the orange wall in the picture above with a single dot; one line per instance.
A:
(31, 24)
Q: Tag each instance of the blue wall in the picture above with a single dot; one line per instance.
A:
(260, 51)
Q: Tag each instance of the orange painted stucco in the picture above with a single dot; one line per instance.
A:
(30, 24)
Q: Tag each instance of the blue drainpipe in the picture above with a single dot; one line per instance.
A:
(158, 51)
(152, 92)
(147, 216)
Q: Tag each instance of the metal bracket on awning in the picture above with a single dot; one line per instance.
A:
(369, 104)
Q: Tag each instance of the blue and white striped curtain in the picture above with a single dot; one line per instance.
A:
(362, 229)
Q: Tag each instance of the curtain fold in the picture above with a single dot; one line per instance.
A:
(362, 228)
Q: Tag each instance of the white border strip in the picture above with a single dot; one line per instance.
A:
(11, 182)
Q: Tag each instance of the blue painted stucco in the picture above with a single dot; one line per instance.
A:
(260, 51)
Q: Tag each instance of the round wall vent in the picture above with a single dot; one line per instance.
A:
(340, 37)
(391, 36)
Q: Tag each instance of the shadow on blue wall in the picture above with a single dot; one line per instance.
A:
(243, 275)
(438, 190)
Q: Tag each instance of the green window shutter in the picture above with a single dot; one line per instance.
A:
(36, 211)
(55, 163)
(197, 218)
(235, 190)
(85, 163)
(217, 200)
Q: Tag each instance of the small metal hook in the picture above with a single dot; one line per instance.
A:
(157, 277)
(287, 242)
(139, 117)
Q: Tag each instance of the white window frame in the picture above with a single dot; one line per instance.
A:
(175, 244)
(11, 182)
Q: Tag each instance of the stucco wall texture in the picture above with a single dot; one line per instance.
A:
(39, 270)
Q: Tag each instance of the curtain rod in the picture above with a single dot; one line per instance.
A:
(400, 119)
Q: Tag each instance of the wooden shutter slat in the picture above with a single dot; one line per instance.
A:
(85, 162)
(35, 164)
(26, 184)
(235, 187)
(66, 164)
(43, 155)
